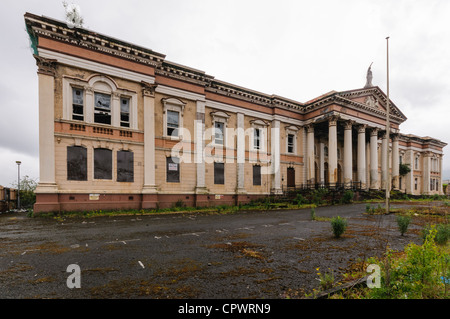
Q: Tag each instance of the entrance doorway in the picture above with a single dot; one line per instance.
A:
(290, 177)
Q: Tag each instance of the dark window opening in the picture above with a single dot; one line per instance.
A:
(257, 175)
(77, 104)
(125, 166)
(290, 143)
(102, 108)
(125, 112)
(102, 163)
(257, 138)
(76, 163)
(219, 173)
(173, 170)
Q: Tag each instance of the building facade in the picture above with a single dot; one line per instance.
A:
(121, 127)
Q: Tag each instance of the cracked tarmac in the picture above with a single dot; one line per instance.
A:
(252, 254)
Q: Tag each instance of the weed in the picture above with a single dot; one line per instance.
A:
(338, 225)
(403, 223)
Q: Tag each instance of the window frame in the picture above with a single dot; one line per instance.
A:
(174, 105)
(73, 114)
(219, 180)
(95, 171)
(119, 167)
(258, 177)
(177, 162)
(85, 177)
(123, 123)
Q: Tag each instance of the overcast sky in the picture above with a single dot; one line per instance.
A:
(296, 49)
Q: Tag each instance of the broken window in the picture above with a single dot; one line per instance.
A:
(77, 104)
(102, 108)
(257, 138)
(219, 173)
(290, 143)
(173, 122)
(257, 175)
(125, 112)
(218, 133)
(76, 163)
(102, 163)
(125, 166)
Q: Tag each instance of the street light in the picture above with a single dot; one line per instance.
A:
(18, 183)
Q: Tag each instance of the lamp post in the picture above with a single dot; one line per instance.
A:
(388, 126)
(18, 183)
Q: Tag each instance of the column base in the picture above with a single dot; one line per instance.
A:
(201, 190)
(149, 189)
(276, 191)
(46, 188)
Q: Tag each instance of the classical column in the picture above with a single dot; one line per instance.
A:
(426, 173)
(199, 159)
(46, 76)
(409, 178)
(310, 171)
(441, 189)
(240, 139)
(384, 163)
(362, 155)
(395, 162)
(368, 165)
(374, 158)
(148, 94)
(332, 150)
(322, 162)
(348, 156)
(275, 155)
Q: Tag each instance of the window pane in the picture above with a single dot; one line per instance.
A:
(219, 170)
(218, 133)
(173, 170)
(290, 143)
(125, 112)
(172, 123)
(125, 166)
(256, 141)
(256, 175)
(76, 163)
(77, 104)
(102, 163)
(102, 101)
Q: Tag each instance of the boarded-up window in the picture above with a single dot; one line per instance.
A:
(77, 104)
(102, 108)
(173, 169)
(76, 163)
(219, 173)
(102, 163)
(256, 175)
(125, 112)
(125, 166)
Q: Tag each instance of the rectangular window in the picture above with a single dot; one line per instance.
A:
(125, 112)
(290, 143)
(125, 166)
(76, 163)
(219, 173)
(257, 138)
(257, 175)
(77, 104)
(415, 184)
(102, 163)
(218, 133)
(173, 170)
(102, 108)
(173, 123)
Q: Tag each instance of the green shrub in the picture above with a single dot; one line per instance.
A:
(403, 223)
(300, 200)
(318, 196)
(313, 213)
(368, 208)
(347, 198)
(442, 233)
(338, 225)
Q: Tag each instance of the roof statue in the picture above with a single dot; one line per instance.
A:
(73, 15)
(369, 77)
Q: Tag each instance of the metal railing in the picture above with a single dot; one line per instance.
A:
(329, 186)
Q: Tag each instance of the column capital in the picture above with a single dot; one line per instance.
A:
(374, 131)
(395, 137)
(348, 125)
(309, 128)
(362, 128)
(45, 66)
(148, 89)
(332, 120)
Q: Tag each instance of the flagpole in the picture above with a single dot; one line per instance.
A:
(388, 126)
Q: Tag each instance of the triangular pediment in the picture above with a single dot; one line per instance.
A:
(372, 98)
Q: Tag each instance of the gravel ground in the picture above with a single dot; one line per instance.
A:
(249, 254)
